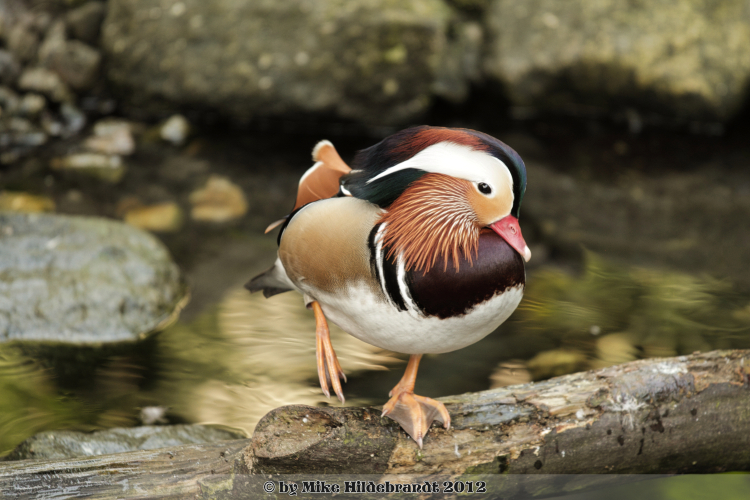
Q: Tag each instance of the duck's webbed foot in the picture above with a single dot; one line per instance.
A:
(414, 413)
(329, 369)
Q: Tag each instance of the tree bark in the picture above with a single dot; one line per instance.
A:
(676, 415)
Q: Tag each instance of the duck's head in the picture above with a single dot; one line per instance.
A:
(439, 187)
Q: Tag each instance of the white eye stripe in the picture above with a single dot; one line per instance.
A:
(461, 162)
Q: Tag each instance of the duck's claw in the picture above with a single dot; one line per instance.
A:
(329, 369)
(415, 413)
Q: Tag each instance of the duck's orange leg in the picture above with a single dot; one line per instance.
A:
(414, 413)
(329, 368)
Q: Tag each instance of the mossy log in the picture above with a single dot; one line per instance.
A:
(687, 414)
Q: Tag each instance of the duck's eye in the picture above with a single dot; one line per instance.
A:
(484, 188)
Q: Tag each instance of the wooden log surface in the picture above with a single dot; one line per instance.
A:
(675, 415)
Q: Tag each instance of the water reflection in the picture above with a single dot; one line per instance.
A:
(251, 355)
(247, 355)
(230, 366)
(29, 400)
(613, 314)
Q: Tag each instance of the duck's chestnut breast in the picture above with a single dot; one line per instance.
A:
(445, 292)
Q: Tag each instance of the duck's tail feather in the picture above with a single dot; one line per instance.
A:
(271, 282)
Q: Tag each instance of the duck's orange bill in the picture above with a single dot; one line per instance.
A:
(510, 231)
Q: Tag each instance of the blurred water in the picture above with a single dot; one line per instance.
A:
(246, 355)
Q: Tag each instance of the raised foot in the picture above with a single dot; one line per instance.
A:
(415, 413)
(330, 373)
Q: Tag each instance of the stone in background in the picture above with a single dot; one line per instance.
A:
(687, 60)
(374, 62)
(49, 59)
(369, 60)
(83, 281)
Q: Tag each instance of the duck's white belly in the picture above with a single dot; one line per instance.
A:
(364, 315)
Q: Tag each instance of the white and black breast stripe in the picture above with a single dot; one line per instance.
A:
(375, 244)
(391, 276)
(403, 286)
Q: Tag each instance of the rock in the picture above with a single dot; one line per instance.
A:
(75, 62)
(555, 362)
(38, 19)
(58, 445)
(73, 119)
(46, 82)
(83, 281)
(373, 61)
(9, 101)
(108, 168)
(9, 68)
(218, 201)
(118, 143)
(24, 202)
(111, 137)
(461, 61)
(510, 373)
(84, 22)
(152, 415)
(68, 121)
(614, 349)
(52, 125)
(109, 126)
(17, 131)
(20, 125)
(54, 41)
(163, 217)
(175, 130)
(685, 60)
(31, 104)
(31, 139)
(23, 42)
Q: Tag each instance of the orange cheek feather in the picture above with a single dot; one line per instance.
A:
(489, 210)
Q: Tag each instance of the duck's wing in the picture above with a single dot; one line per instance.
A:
(321, 181)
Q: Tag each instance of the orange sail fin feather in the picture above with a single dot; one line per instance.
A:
(321, 181)
(430, 219)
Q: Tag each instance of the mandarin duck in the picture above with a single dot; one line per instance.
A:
(416, 249)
